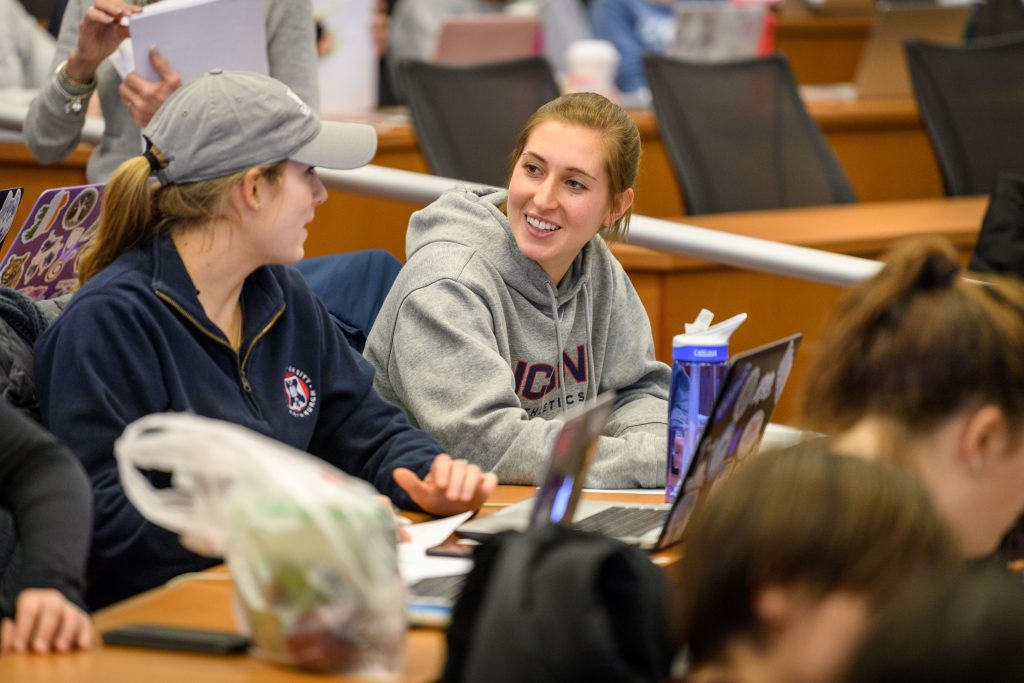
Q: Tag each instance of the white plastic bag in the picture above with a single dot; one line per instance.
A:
(311, 549)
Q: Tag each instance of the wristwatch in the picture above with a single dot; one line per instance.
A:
(74, 92)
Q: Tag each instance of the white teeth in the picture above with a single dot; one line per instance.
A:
(541, 225)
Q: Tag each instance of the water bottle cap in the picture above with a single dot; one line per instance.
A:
(701, 334)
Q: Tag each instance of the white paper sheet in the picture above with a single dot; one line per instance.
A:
(195, 36)
(414, 563)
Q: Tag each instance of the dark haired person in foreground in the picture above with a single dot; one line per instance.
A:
(922, 367)
(790, 558)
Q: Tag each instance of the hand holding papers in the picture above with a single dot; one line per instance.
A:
(195, 36)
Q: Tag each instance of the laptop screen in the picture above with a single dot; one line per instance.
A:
(570, 459)
(9, 201)
(750, 390)
(882, 70)
(481, 38)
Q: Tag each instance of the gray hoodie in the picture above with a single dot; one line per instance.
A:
(473, 336)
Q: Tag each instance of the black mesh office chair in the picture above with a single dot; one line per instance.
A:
(740, 138)
(467, 117)
(971, 100)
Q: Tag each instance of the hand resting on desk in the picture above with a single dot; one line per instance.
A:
(451, 486)
(45, 621)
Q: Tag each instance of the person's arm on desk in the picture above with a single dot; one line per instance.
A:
(48, 494)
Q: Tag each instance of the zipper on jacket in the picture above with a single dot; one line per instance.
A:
(248, 350)
(188, 316)
(240, 363)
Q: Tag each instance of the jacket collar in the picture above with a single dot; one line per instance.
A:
(262, 296)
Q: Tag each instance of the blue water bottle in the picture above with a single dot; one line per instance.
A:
(699, 358)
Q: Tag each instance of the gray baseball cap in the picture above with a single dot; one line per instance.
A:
(228, 121)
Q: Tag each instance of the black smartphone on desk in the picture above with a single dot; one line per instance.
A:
(454, 546)
(177, 638)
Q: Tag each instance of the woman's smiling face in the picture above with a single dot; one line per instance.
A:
(559, 196)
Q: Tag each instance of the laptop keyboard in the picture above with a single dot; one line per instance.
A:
(442, 587)
(623, 522)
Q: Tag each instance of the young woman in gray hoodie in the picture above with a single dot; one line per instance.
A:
(512, 310)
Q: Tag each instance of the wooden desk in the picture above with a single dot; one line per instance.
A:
(822, 49)
(674, 288)
(206, 602)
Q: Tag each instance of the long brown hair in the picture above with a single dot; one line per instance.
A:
(917, 343)
(804, 519)
(621, 137)
(136, 207)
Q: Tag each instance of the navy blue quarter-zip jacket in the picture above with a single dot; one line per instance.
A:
(135, 341)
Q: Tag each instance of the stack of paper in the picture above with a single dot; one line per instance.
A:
(195, 36)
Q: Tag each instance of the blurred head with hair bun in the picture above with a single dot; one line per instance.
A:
(923, 367)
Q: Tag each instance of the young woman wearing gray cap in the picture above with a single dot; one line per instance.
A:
(184, 307)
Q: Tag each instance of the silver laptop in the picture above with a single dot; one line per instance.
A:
(882, 71)
(749, 393)
(480, 38)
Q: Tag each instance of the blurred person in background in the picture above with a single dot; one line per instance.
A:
(91, 32)
(634, 27)
(26, 50)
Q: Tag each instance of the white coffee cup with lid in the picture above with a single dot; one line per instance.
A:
(592, 67)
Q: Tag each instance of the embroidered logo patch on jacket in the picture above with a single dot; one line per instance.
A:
(299, 392)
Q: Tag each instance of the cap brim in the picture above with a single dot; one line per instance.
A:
(339, 146)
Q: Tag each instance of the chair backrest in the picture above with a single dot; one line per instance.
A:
(740, 138)
(971, 100)
(995, 18)
(1000, 244)
(467, 117)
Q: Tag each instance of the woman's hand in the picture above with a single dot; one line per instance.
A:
(45, 621)
(451, 486)
(142, 97)
(99, 34)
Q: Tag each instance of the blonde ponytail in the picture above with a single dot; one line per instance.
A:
(136, 208)
(125, 217)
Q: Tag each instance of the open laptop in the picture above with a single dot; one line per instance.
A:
(42, 261)
(882, 70)
(716, 32)
(431, 599)
(9, 201)
(747, 397)
(481, 38)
